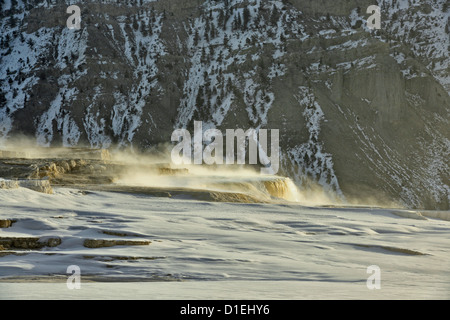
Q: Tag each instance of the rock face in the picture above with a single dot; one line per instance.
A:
(8, 184)
(362, 113)
(28, 243)
(33, 184)
(101, 243)
(6, 223)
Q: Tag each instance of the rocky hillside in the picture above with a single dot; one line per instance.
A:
(362, 113)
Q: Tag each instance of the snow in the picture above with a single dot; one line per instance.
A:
(222, 250)
(70, 131)
(350, 44)
(410, 23)
(127, 115)
(258, 100)
(95, 128)
(310, 157)
(363, 63)
(227, 47)
(70, 51)
(18, 59)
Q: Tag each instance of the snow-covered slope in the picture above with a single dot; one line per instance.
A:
(169, 248)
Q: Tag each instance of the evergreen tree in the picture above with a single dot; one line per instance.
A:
(237, 23)
(3, 99)
(135, 24)
(275, 15)
(229, 85)
(144, 30)
(30, 42)
(196, 37)
(12, 21)
(150, 29)
(246, 17)
(213, 31)
(200, 101)
(220, 19)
